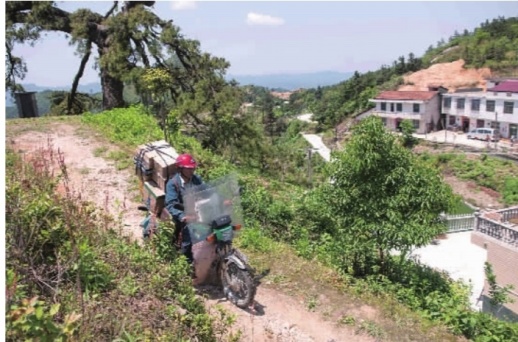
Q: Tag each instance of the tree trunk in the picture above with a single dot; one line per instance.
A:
(112, 87)
(112, 91)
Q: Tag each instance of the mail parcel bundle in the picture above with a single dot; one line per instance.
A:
(155, 163)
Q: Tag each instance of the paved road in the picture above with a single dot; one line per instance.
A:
(462, 139)
(461, 259)
(318, 145)
(315, 140)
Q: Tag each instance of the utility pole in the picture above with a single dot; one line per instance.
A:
(496, 127)
(310, 153)
(445, 130)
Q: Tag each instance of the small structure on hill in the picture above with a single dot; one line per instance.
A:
(26, 104)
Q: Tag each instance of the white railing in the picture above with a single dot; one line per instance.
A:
(460, 222)
(501, 230)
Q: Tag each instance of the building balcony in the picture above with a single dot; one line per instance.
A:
(398, 115)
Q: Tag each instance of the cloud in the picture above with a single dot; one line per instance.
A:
(263, 19)
(183, 5)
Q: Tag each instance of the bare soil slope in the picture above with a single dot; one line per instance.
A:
(449, 75)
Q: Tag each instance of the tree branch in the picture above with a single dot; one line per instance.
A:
(156, 57)
(51, 19)
(115, 3)
(141, 50)
(128, 5)
(79, 74)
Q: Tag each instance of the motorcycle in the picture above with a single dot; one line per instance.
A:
(214, 219)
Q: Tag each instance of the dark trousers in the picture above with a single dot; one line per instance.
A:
(182, 231)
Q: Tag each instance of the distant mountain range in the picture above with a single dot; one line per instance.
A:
(89, 88)
(293, 81)
(273, 81)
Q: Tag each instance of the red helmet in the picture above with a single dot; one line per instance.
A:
(186, 161)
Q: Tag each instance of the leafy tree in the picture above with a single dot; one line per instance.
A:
(129, 38)
(266, 104)
(60, 100)
(213, 113)
(407, 128)
(154, 84)
(382, 197)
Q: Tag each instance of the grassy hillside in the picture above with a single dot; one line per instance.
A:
(81, 267)
(493, 44)
(70, 275)
(285, 221)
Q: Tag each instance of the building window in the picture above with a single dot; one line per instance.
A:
(383, 106)
(490, 106)
(460, 103)
(475, 105)
(416, 123)
(508, 107)
(391, 107)
(416, 107)
(447, 102)
(399, 107)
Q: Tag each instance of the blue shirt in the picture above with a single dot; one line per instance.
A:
(175, 189)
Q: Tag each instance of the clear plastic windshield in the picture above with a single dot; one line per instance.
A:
(210, 201)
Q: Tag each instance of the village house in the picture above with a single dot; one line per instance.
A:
(497, 107)
(420, 107)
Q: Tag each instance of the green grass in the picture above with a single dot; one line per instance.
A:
(121, 159)
(100, 151)
(461, 208)
(484, 170)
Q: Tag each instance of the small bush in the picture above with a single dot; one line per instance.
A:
(510, 192)
(131, 126)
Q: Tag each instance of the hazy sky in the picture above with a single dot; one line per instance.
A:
(267, 37)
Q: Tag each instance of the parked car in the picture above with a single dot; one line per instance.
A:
(484, 134)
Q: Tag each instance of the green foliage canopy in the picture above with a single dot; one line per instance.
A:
(129, 38)
(382, 197)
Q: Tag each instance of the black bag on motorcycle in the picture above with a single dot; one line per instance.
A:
(220, 222)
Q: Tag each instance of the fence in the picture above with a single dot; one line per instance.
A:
(508, 214)
(501, 230)
(460, 222)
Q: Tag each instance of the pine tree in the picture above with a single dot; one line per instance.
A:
(129, 38)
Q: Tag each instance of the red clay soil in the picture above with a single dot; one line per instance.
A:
(449, 75)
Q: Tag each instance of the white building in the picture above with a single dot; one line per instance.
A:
(496, 108)
(421, 107)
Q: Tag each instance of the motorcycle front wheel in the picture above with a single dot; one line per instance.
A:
(238, 284)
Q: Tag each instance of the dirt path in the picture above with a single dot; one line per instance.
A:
(94, 178)
(278, 317)
(281, 318)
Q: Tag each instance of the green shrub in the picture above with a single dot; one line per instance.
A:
(32, 319)
(510, 192)
(131, 126)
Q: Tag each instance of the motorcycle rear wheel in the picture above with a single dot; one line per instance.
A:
(238, 284)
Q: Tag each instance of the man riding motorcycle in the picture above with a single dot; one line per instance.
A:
(175, 190)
